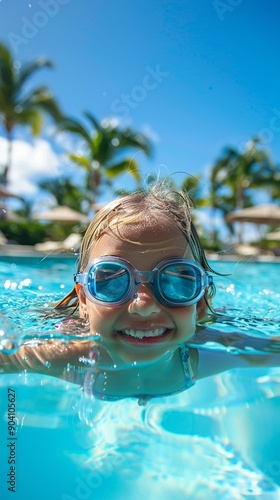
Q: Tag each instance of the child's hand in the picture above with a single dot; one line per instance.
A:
(237, 340)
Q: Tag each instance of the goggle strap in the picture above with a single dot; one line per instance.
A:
(80, 278)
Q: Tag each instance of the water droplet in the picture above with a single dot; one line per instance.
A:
(7, 346)
(17, 64)
(18, 109)
(48, 364)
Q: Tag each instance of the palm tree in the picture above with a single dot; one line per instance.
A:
(275, 188)
(20, 105)
(236, 174)
(106, 151)
(25, 211)
(193, 186)
(65, 193)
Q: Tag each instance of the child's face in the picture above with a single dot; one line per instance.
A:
(154, 244)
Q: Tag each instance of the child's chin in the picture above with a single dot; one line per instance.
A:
(143, 358)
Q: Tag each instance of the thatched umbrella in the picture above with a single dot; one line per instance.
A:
(61, 214)
(260, 214)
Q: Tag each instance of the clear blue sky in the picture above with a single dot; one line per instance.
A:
(197, 74)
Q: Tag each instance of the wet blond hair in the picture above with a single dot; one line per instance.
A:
(156, 205)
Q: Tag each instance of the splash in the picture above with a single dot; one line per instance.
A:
(62, 328)
(9, 336)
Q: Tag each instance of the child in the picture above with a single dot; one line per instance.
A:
(143, 284)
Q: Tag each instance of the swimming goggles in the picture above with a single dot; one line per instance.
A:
(112, 281)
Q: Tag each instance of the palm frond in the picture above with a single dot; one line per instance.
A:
(75, 127)
(82, 161)
(127, 139)
(30, 68)
(34, 119)
(126, 166)
(93, 121)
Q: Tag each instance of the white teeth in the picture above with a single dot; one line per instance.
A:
(140, 334)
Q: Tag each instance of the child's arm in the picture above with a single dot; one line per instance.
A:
(235, 340)
(253, 352)
(50, 358)
(214, 362)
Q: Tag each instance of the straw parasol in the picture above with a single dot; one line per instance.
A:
(61, 214)
(260, 214)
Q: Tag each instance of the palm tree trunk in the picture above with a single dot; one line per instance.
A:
(4, 178)
(240, 206)
(96, 185)
(7, 168)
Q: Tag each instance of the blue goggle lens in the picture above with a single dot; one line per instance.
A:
(109, 281)
(179, 283)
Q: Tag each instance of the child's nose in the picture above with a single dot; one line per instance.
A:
(145, 302)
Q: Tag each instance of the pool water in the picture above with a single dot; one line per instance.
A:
(219, 440)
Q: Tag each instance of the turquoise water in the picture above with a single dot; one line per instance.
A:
(219, 440)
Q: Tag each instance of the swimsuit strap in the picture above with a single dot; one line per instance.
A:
(187, 367)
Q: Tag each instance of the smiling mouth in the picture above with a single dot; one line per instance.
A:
(144, 336)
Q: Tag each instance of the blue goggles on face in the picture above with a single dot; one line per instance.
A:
(112, 281)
